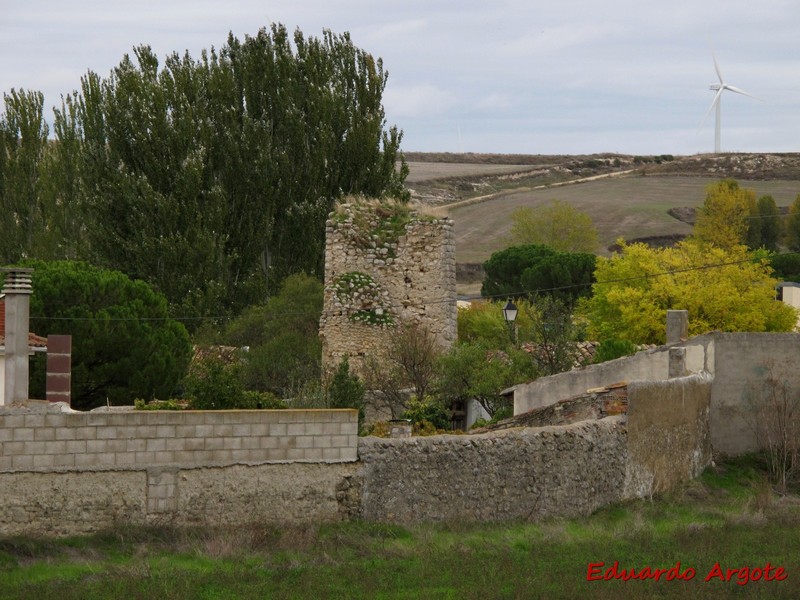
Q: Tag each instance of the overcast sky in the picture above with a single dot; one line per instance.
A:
(571, 77)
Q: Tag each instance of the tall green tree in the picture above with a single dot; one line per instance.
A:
(793, 226)
(725, 219)
(212, 178)
(769, 219)
(522, 271)
(557, 225)
(124, 345)
(23, 145)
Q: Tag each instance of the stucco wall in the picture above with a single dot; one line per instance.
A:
(744, 364)
(669, 438)
(648, 365)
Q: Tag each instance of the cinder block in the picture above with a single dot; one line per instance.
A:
(241, 430)
(193, 444)
(305, 441)
(249, 443)
(268, 442)
(349, 454)
(313, 428)
(43, 460)
(126, 432)
(277, 429)
(107, 433)
(96, 446)
(44, 434)
(97, 419)
(231, 443)
(22, 461)
(221, 456)
(165, 431)
(331, 454)
(204, 431)
(295, 453)
(322, 441)
(314, 454)
(276, 454)
(76, 446)
(165, 457)
(175, 444)
(189, 458)
(65, 433)
(340, 441)
(23, 434)
(185, 431)
(63, 460)
(14, 421)
(57, 421)
(332, 428)
(144, 458)
(6, 434)
(156, 445)
(124, 459)
(295, 429)
(116, 446)
(223, 430)
(85, 460)
(33, 447)
(55, 447)
(136, 445)
(349, 428)
(34, 421)
(146, 431)
(105, 459)
(213, 443)
(240, 455)
(259, 429)
(85, 433)
(10, 448)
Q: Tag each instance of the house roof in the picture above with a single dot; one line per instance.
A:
(34, 341)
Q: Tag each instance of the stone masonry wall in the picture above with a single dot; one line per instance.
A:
(408, 277)
(513, 474)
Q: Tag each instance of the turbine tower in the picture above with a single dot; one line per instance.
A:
(719, 88)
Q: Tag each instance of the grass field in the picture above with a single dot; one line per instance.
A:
(730, 516)
(629, 207)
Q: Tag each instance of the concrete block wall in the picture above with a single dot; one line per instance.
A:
(143, 439)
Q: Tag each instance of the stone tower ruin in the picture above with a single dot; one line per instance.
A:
(386, 265)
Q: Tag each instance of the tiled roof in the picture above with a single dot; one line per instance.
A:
(34, 341)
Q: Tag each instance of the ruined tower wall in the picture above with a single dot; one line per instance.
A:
(385, 266)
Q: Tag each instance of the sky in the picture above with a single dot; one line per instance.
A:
(506, 76)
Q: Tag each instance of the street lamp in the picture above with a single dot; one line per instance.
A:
(510, 315)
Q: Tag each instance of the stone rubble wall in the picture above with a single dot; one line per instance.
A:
(414, 281)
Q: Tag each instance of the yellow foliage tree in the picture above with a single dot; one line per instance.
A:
(557, 225)
(723, 289)
(725, 217)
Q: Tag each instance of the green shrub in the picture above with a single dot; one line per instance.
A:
(428, 410)
(213, 385)
(613, 348)
(346, 390)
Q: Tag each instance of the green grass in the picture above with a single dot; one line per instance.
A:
(730, 515)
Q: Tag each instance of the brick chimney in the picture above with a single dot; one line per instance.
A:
(17, 290)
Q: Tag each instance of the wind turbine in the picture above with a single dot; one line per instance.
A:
(719, 88)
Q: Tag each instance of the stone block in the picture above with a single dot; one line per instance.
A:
(23, 434)
(156, 445)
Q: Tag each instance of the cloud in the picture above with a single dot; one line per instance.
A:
(417, 101)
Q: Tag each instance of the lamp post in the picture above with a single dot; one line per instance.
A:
(510, 315)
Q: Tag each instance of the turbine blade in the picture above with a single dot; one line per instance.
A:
(716, 67)
(742, 92)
